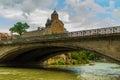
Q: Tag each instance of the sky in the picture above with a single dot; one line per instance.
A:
(76, 14)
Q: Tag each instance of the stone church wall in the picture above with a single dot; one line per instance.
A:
(54, 26)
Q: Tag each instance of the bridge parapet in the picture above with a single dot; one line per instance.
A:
(101, 31)
(111, 31)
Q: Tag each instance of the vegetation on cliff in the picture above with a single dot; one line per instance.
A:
(82, 57)
(78, 57)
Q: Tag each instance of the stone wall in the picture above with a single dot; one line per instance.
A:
(57, 27)
(45, 31)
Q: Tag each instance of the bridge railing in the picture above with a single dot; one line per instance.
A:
(102, 31)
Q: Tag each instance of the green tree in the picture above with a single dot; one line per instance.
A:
(83, 54)
(91, 56)
(75, 56)
(11, 30)
(19, 28)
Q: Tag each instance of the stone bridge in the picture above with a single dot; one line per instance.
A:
(37, 49)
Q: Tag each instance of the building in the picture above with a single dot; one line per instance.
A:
(5, 36)
(53, 26)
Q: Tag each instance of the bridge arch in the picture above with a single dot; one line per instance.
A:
(35, 55)
(32, 50)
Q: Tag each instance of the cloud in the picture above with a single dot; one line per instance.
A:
(11, 13)
(83, 10)
(34, 12)
(38, 18)
(87, 14)
(112, 4)
(116, 13)
(27, 5)
(76, 14)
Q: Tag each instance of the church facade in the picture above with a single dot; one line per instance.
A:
(53, 26)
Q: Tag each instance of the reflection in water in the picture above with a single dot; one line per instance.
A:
(100, 71)
(34, 74)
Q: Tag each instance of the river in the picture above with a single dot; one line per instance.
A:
(99, 71)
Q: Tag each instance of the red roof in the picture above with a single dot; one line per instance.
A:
(4, 36)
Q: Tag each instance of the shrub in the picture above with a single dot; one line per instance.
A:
(60, 63)
(75, 62)
(91, 56)
(75, 56)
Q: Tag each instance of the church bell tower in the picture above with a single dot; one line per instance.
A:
(54, 15)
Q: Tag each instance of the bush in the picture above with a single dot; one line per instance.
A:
(75, 56)
(91, 56)
(54, 63)
(75, 62)
(60, 63)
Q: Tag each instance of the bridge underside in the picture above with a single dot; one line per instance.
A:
(37, 52)
(33, 56)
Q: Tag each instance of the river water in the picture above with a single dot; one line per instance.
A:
(99, 71)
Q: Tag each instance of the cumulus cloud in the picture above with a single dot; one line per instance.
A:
(27, 6)
(112, 4)
(87, 14)
(38, 17)
(34, 12)
(76, 14)
(116, 13)
(11, 13)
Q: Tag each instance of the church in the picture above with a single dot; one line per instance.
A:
(52, 26)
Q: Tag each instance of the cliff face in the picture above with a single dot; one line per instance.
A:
(80, 57)
(60, 60)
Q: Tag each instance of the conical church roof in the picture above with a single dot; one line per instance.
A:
(54, 12)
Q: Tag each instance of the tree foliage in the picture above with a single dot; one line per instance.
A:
(83, 56)
(91, 56)
(19, 28)
(75, 56)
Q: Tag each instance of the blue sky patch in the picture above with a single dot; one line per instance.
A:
(103, 3)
